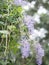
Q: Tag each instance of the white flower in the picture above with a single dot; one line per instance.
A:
(32, 4)
(42, 33)
(38, 34)
(36, 18)
(41, 10)
(26, 8)
(34, 35)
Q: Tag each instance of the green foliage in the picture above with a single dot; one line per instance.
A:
(9, 30)
(13, 46)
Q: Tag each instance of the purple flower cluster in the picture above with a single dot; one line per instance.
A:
(29, 21)
(25, 48)
(39, 54)
(17, 2)
(20, 2)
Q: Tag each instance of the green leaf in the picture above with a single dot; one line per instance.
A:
(13, 46)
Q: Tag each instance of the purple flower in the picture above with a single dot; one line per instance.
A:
(20, 2)
(39, 53)
(25, 48)
(29, 21)
(39, 61)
